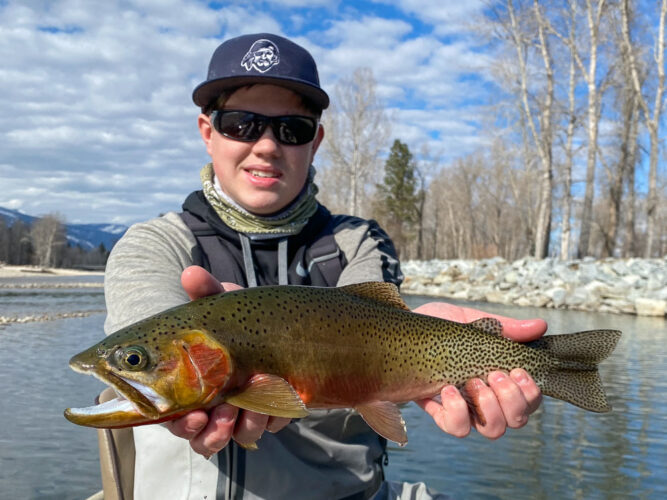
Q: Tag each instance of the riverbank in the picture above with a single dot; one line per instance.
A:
(35, 271)
(618, 286)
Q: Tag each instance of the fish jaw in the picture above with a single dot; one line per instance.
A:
(188, 374)
(136, 404)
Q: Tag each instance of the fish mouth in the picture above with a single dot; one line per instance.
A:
(134, 404)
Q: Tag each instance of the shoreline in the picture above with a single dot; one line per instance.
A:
(7, 271)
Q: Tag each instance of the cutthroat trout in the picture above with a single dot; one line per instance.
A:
(282, 350)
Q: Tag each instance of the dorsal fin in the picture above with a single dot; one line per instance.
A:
(377, 291)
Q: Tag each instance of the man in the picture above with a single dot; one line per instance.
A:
(257, 222)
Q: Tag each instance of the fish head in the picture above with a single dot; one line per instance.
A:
(159, 374)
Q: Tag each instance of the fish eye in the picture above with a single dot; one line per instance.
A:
(132, 358)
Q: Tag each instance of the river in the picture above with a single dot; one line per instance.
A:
(563, 452)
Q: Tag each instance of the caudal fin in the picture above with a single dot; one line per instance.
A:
(575, 378)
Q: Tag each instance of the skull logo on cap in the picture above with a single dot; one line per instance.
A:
(263, 55)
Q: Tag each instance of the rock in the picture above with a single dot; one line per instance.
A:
(597, 287)
(576, 298)
(656, 281)
(540, 300)
(496, 297)
(620, 268)
(632, 280)
(557, 296)
(511, 277)
(650, 307)
(619, 306)
(523, 301)
(504, 285)
(633, 286)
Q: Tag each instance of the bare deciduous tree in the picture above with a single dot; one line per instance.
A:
(357, 131)
(593, 17)
(651, 116)
(566, 171)
(540, 126)
(48, 237)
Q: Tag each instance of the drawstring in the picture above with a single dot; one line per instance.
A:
(282, 261)
(249, 263)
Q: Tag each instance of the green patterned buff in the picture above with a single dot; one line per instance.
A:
(288, 222)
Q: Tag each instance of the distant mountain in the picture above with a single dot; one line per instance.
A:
(88, 236)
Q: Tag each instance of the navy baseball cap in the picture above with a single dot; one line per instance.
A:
(261, 58)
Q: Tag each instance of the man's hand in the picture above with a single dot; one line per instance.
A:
(506, 401)
(210, 431)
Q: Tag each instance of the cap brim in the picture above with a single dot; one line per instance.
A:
(205, 92)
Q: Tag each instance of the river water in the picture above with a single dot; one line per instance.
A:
(563, 452)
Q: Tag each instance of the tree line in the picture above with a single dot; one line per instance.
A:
(44, 243)
(573, 165)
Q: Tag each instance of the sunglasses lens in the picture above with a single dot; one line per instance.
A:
(249, 127)
(240, 125)
(294, 130)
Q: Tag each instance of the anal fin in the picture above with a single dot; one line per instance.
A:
(385, 418)
(270, 395)
(248, 446)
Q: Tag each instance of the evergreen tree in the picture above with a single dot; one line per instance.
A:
(397, 205)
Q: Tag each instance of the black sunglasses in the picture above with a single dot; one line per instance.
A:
(245, 126)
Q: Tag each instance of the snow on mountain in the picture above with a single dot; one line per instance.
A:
(88, 236)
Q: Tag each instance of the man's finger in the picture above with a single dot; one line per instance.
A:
(188, 426)
(491, 423)
(198, 282)
(511, 399)
(249, 427)
(531, 391)
(217, 432)
(520, 330)
(277, 423)
(450, 413)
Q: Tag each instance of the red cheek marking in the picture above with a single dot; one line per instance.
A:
(212, 364)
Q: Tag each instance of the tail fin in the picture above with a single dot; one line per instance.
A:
(575, 377)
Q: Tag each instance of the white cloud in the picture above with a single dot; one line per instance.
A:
(445, 16)
(96, 117)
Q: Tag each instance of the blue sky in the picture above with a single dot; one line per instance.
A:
(96, 117)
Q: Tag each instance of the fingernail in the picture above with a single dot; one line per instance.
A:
(450, 391)
(478, 384)
(498, 377)
(195, 428)
(225, 414)
(519, 376)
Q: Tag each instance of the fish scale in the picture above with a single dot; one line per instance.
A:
(284, 350)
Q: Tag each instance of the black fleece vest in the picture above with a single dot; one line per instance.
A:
(313, 256)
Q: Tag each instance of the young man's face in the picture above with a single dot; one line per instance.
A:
(263, 176)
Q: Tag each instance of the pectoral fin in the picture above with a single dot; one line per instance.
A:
(271, 395)
(385, 418)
